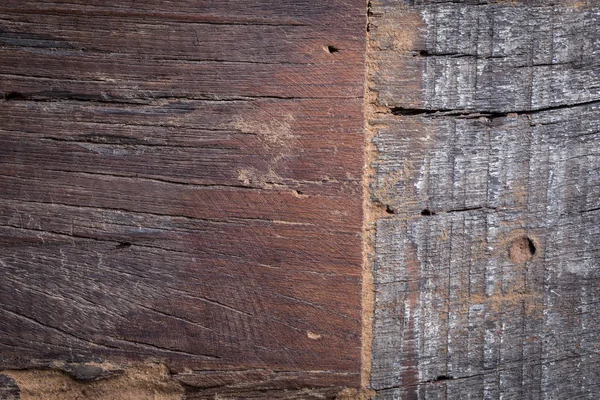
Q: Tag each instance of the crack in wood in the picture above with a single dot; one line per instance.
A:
(472, 114)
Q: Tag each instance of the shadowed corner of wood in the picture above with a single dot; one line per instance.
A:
(94, 382)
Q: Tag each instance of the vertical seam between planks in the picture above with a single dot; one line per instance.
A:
(368, 284)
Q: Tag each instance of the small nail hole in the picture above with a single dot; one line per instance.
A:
(332, 49)
(427, 212)
(389, 210)
(521, 250)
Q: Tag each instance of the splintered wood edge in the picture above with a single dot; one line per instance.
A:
(151, 380)
(368, 284)
(373, 209)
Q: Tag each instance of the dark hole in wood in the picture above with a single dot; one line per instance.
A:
(423, 53)
(123, 245)
(427, 212)
(444, 378)
(521, 250)
(412, 111)
(389, 210)
(14, 96)
(299, 192)
(332, 49)
(532, 248)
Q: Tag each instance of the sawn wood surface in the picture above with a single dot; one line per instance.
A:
(485, 121)
(200, 190)
(181, 183)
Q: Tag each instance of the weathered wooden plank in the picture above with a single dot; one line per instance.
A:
(189, 141)
(485, 126)
(494, 57)
(103, 77)
(181, 186)
(164, 37)
(199, 166)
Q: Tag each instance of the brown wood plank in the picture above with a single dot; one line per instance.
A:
(181, 183)
(285, 141)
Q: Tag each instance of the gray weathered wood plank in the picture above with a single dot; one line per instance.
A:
(487, 263)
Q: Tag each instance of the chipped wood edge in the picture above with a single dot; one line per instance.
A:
(371, 212)
(137, 381)
(368, 284)
(373, 208)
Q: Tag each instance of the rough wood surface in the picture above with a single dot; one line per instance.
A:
(181, 182)
(486, 121)
(9, 390)
(181, 207)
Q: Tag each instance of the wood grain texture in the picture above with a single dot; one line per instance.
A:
(181, 182)
(487, 261)
(8, 389)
